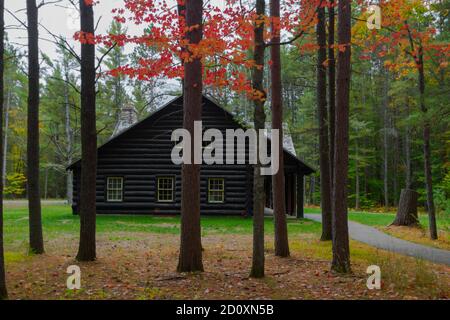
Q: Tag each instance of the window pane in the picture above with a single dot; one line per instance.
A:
(114, 188)
(165, 189)
(216, 190)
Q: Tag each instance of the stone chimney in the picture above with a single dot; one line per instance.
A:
(127, 117)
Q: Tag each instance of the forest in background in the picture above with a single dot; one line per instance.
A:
(385, 149)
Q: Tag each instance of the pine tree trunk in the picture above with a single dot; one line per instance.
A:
(181, 8)
(408, 179)
(385, 142)
(257, 270)
(69, 173)
(427, 150)
(190, 258)
(312, 188)
(357, 184)
(341, 250)
(325, 183)
(34, 197)
(278, 186)
(87, 246)
(395, 166)
(5, 137)
(3, 289)
(331, 84)
(407, 209)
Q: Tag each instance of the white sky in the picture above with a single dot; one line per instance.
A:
(57, 19)
(60, 20)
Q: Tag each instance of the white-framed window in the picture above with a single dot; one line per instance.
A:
(114, 189)
(216, 190)
(165, 189)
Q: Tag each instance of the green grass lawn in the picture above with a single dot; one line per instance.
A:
(377, 219)
(58, 220)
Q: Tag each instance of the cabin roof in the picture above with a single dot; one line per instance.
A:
(288, 144)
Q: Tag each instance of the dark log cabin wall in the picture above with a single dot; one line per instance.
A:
(142, 153)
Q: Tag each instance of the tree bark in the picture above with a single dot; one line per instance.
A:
(190, 258)
(407, 209)
(325, 183)
(357, 183)
(385, 142)
(257, 270)
(427, 150)
(300, 195)
(341, 250)
(3, 289)
(278, 186)
(34, 197)
(331, 84)
(5, 137)
(69, 136)
(181, 8)
(408, 179)
(87, 246)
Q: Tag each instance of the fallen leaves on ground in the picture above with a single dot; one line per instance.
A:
(142, 266)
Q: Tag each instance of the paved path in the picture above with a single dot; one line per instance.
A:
(381, 240)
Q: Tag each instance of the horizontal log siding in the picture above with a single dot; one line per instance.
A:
(142, 154)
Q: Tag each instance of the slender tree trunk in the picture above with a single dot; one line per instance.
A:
(34, 197)
(408, 180)
(341, 250)
(190, 258)
(312, 188)
(87, 246)
(5, 137)
(427, 150)
(395, 166)
(46, 183)
(331, 84)
(69, 177)
(357, 187)
(259, 123)
(278, 187)
(325, 183)
(3, 290)
(181, 8)
(385, 142)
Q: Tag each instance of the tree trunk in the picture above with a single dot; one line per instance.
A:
(408, 179)
(46, 183)
(325, 184)
(5, 137)
(34, 197)
(190, 258)
(357, 184)
(312, 187)
(331, 84)
(300, 195)
(385, 142)
(395, 166)
(181, 8)
(69, 137)
(3, 290)
(427, 150)
(407, 209)
(278, 187)
(341, 250)
(259, 123)
(87, 246)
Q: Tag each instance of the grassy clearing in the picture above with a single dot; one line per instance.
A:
(138, 255)
(59, 221)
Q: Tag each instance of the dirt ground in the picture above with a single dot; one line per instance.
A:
(141, 266)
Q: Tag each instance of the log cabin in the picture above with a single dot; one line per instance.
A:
(135, 173)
